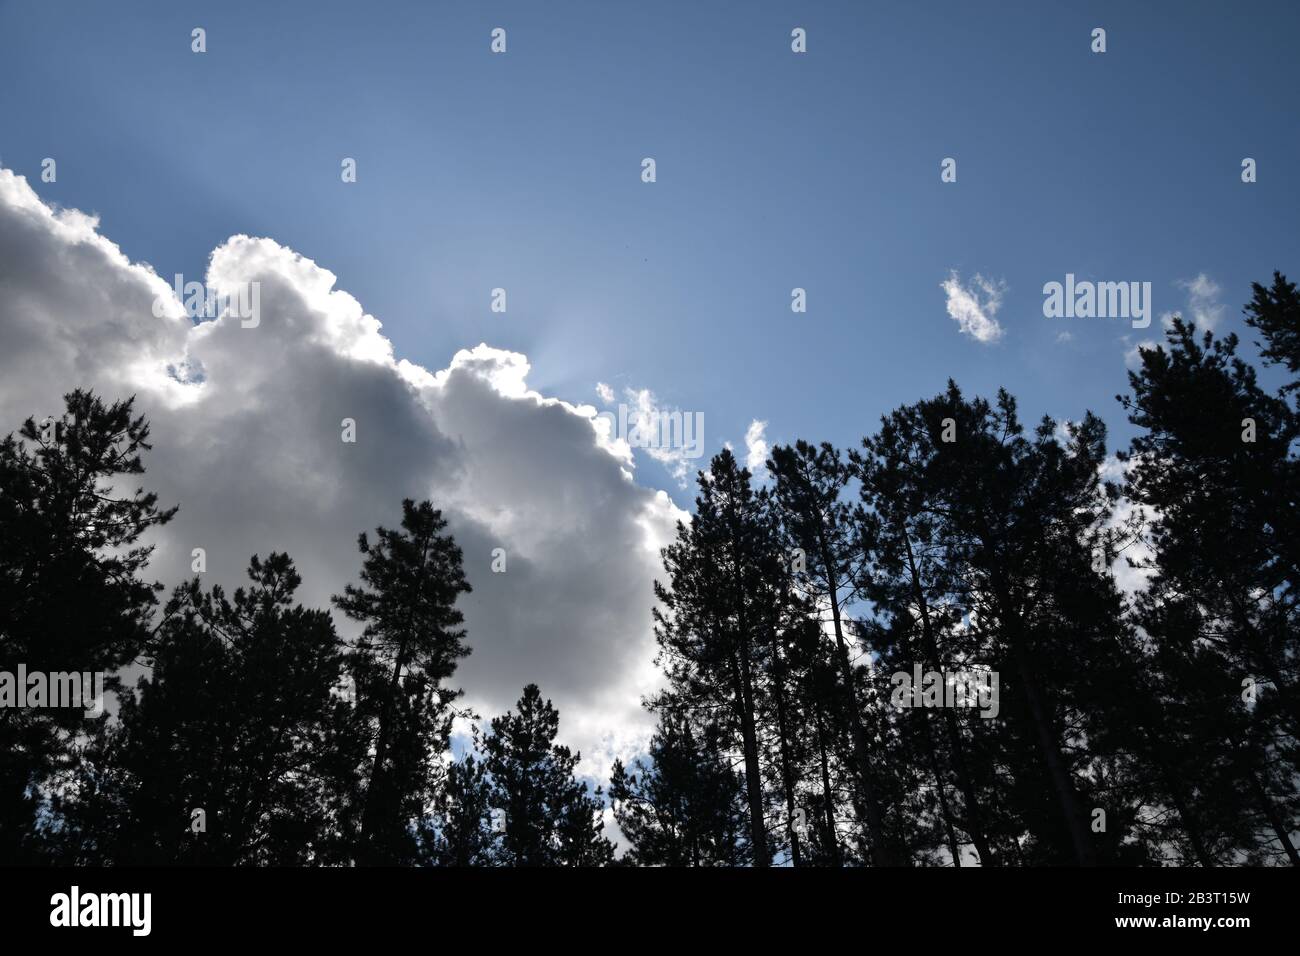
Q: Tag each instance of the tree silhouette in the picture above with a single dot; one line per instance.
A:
(686, 806)
(412, 640)
(809, 482)
(71, 595)
(1214, 465)
(1145, 725)
(548, 818)
(714, 613)
(241, 722)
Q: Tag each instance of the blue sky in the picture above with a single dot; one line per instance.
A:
(775, 170)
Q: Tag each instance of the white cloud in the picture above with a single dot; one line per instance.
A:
(649, 418)
(974, 307)
(1203, 303)
(756, 448)
(246, 433)
(605, 392)
(1203, 306)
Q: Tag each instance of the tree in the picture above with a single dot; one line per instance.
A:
(1214, 467)
(1275, 312)
(238, 746)
(1150, 726)
(809, 482)
(684, 808)
(412, 640)
(464, 835)
(71, 595)
(715, 615)
(1025, 520)
(549, 818)
(909, 581)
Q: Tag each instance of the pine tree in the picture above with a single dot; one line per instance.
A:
(464, 835)
(549, 818)
(1028, 519)
(238, 746)
(809, 484)
(1275, 312)
(908, 581)
(987, 547)
(827, 798)
(711, 626)
(1213, 466)
(412, 640)
(684, 808)
(71, 596)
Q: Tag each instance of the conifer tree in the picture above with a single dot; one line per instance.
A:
(685, 807)
(1274, 311)
(71, 594)
(1026, 527)
(908, 581)
(722, 570)
(464, 835)
(809, 482)
(549, 818)
(237, 747)
(1214, 467)
(411, 579)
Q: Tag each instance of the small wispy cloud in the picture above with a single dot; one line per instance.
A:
(974, 307)
(647, 414)
(1204, 308)
(1203, 301)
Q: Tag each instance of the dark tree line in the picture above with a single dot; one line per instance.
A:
(255, 735)
(1138, 728)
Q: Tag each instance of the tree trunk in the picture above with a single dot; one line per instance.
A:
(974, 819)
(366, 853)
(1190, 827)
(828, 796)
(1058, 773)
(880, 850)
(1274, 818)
(782, 729)
(749, 741)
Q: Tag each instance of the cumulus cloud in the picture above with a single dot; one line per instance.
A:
(756, 448)
(247, 440)
(974, 307)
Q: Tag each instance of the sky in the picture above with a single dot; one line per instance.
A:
(523, 171)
